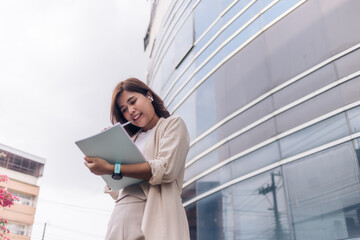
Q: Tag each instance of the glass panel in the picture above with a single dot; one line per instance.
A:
(226, 3)
(278, 9)
(164, 71)
(194, 80)
(324, 194)
(183, 41)
(202, 164)
(203, 144)
(246, 164)
(183, 67)
(228, 48)
(239, 6)
(309, 110)
(247, 139)
(184, 77)
(205, 106)
(189, 192)
(314, 136)
(249, 210)
(205, 15)
(255, 160)
(208, 36)
(354, 118)
(188, 112)
(242, 19)
(306, 85)
(205, 218)
(173, 49)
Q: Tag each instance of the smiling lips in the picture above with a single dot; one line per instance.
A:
(137, 117)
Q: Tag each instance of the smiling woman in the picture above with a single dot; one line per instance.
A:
(135, 88)
(135, 107)
(142, 211)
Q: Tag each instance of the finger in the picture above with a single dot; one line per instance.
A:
(105, 129)
(89, 159)
(86, 164)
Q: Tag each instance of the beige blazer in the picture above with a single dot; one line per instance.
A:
(164, 216)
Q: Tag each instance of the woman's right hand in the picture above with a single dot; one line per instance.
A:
(98, 166)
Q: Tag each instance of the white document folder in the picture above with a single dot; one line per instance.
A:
(114, 145)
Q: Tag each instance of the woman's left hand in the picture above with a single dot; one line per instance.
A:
(98, 166)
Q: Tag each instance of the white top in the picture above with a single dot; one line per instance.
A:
(142, 139)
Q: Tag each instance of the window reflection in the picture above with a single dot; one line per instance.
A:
(201, 23)
(354, 118)
(206, 106)
(357, 151)
(204, 163)
(228, 48)
(241, 166)
(188, 112)
(189, 192)
(234, 11)
(253, 209)
(324, 194)
(314, 136)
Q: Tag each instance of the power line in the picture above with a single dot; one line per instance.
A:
(78, 207)
(63, 232)
(75, 230)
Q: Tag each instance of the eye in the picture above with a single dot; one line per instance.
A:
(124, 110)
(133, 102)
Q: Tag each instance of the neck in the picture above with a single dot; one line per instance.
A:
(151, 124)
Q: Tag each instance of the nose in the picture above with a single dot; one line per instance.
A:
(131, 109)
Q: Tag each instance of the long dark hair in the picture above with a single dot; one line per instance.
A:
(134, 85)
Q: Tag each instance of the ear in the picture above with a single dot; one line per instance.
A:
(149, 94)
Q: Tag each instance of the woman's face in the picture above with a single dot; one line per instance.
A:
(138, 108)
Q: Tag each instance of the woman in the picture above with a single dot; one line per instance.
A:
(151, 210)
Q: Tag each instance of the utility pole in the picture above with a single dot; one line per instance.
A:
(266, 190)
(43, 236)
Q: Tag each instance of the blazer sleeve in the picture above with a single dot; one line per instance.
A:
(173, 148)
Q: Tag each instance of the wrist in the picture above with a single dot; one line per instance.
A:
(111, 169)
(116, 175)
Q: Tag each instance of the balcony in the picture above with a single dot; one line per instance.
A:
(19, 213)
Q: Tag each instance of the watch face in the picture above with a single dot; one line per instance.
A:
(116, 176)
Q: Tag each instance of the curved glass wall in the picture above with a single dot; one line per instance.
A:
(269, 90)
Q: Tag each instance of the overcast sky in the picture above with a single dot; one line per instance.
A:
(59, 62)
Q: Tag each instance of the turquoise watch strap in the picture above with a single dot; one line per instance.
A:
(117, 168)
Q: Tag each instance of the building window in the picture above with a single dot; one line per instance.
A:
(17, 228)
(24, 199)
(21, 164)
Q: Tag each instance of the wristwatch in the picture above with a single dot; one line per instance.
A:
(117, 174)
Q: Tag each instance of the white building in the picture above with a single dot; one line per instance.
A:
(23, 170)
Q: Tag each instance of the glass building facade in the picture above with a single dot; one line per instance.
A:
(270, 92)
